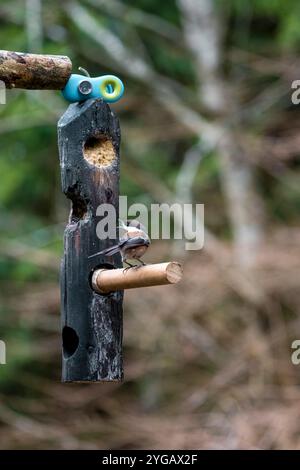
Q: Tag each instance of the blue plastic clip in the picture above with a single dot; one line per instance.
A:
(84, 87)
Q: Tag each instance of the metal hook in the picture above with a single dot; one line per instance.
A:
(86, 73)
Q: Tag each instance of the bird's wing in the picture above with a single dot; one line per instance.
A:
(133, 242)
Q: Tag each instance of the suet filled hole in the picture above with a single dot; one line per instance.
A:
(70, 341)
(99, 151)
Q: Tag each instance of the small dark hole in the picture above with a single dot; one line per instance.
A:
(108, 194)
(79, 205)
(79, 210)
(70, 341)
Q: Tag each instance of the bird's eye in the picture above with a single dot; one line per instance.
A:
(85, 87)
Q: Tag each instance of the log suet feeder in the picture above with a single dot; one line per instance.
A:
(89, 140)
(91, 288)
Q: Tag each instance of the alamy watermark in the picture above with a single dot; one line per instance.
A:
(2, 352)
(2, 92)
(161, 221)
(295, 357)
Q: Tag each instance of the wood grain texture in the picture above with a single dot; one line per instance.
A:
(34, 71)
(93, 321)
(110, 280)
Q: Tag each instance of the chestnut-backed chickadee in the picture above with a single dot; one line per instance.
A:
(132, 244)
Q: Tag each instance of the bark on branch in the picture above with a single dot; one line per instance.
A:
(34, 71)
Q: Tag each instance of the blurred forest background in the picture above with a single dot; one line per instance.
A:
(207, 117)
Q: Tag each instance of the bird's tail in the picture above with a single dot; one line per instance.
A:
(108, 251)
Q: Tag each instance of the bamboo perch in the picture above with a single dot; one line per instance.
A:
(34, 71)
(110, 280)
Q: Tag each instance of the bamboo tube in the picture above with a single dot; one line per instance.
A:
(109, 280)
(34, 71)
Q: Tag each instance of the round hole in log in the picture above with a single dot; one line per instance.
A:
(99, 151)
(70, 341)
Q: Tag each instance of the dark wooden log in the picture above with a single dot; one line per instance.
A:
(89, 139)
(34, 71)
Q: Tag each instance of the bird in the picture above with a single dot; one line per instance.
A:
(132, 245)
